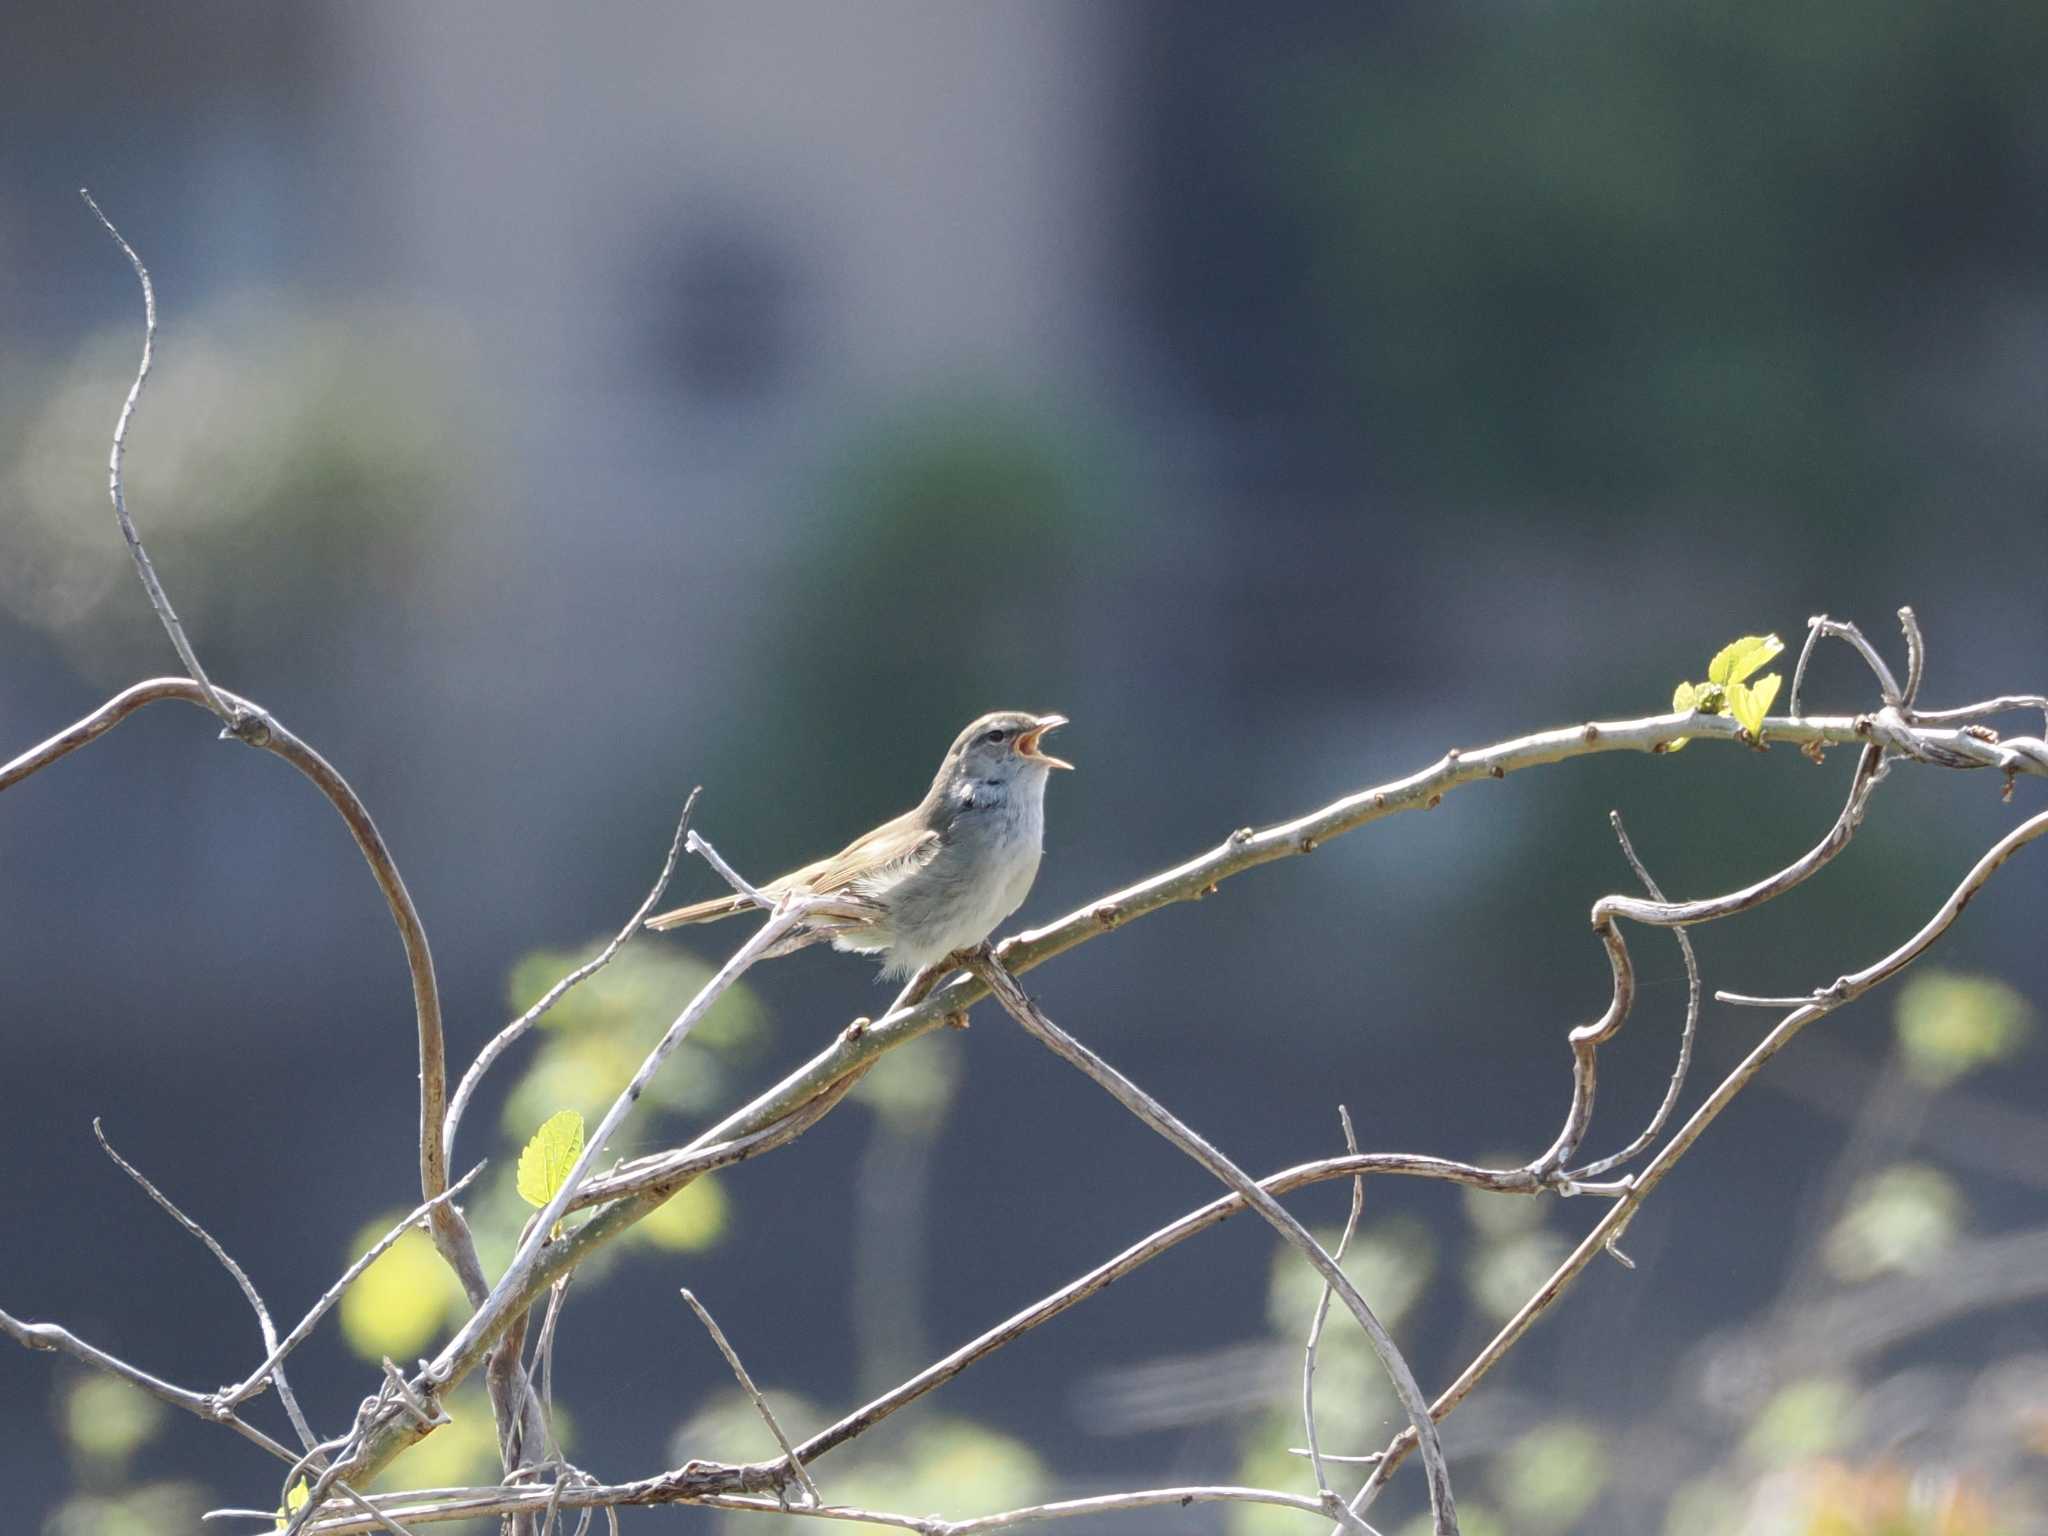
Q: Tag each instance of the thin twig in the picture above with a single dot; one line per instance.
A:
(159, 600)
(261, 729)
(1315, 1339)
(253, 1383)
(1586, 1040)
(1887, 684)
(268, 1329)
(205, 1405)
(1799, 671)
(1686, 1036)
(436, 1505)
(1516, 1181)
(519, 1026)
(1916, 660)
(539, 1259)
(1610, 1225)
(1443, 1507)
(796, 1462)
(732, 877)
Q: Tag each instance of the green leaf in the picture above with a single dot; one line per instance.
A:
(1749, 704)
(546, 1162)
(294, 1501)
(1736, 660)
(1682, 699)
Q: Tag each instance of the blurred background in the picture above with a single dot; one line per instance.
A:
(555, 411)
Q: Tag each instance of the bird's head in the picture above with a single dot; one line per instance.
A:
(1005, 745)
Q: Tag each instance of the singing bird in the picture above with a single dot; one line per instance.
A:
(940, 877)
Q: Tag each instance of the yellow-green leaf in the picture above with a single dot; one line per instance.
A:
(546, 1162)
(294, 1501)
(1682, 699)
(1736, 660)
(1749, 703)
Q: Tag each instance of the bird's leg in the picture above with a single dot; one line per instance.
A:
(983, 953)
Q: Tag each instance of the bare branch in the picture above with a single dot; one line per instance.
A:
(1887, 684)
(159, 600)
(519, 1026)
(1609, 1228)
(268, 1329)
(253, 1384)
(260, 729)
(1686, 1036)
(1443, 1506)
(205, 1405)
(1916, 660)
(1337, 1507)
(436, 1505)
(796, 1462)
(1586, 1040)
(1502, 1181)
(540, 1258)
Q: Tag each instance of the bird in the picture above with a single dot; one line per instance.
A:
(934, 882)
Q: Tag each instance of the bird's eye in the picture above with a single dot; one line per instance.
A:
(995, 735)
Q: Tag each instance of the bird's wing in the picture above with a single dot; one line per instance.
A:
(891, 848)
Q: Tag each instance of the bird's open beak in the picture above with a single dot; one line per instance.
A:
(1027, 744)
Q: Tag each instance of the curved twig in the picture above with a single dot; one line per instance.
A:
(1338, 1508)
(264, 1325)
(507, 1036)
(159, 600)
(1686, 1035)
(273, 1363)
(205, 1405)
(261, 729)
(1916, 660)
(1586, 1040)
(1609, 1227)
(1443, 1507)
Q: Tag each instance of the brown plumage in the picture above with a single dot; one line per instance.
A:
(938, 878)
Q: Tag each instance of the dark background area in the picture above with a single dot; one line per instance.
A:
(556, 411)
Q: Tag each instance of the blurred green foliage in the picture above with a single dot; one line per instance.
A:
(1619, 250)
(1951, 1025)
(106, 1420)
(1899, 1219)
(284, 468)
(924, 1462)
(400, 1303)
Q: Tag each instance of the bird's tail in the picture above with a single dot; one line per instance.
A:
(702, 912)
